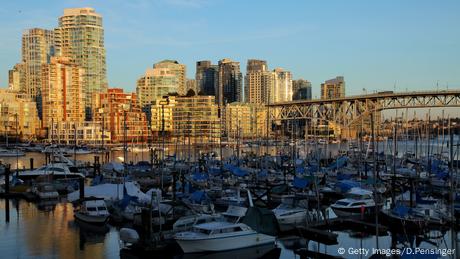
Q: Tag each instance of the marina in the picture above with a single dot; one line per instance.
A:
(147, 213)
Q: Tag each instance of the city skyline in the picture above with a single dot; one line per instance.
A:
(412, 51)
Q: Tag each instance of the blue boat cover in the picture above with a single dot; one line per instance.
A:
(401, 211)
(198, 196)
(200, 176)
(300, 183)
(300, 170)
(346, 185)
(338, 163)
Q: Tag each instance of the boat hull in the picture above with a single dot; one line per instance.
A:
(224, 243)
(96, 220)
(354, 211)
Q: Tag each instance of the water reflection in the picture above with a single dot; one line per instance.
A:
(49, 230)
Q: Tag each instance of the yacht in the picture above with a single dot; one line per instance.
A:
(11, 152)
(289, 214)
(220, 236)
(45, 191)
(357, 202)
(92, 211)
(55, 170)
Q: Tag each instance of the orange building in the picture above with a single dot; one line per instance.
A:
(114, 108)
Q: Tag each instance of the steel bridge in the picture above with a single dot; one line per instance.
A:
(348, 110)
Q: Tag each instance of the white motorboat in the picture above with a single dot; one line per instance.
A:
(92, 211)
(357, 202)
(288, 214)
(11, 152)
(45, 191)
(220, 236)
(55, 171)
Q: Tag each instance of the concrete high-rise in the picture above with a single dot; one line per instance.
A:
(80, 36)
(166, 77)
(282, 86)
(230, 85)
(206, 77)
(333, 88)
(37, 50)
(62, 92)
(258, 81)
(301, 89)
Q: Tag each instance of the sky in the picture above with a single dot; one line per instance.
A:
(376, 45)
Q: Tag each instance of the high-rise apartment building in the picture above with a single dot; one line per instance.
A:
(258, 81)
(230, 85)
(166, 77)
(301, 89)
(206, 77)
(80, 36)
(37, 50)
(191, 118)
(282, 86)
(62, 92)
(333, 88)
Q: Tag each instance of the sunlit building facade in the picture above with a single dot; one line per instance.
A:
(245, 120)
(37, 50)
(121, 114)
(80, 36)
(258, 81)
(193, 118)
(333, 88)
(18, 115)
(165, 78)
(282, 86)
(63, 97)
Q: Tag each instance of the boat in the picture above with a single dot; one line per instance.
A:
(55, 170)
(220, 236)
(45, 191)
(401, 218)
(11, 152)
(92, 211)
(357, 202)
(289, 214)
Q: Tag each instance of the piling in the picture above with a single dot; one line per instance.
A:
(31, 163)
(82, 188)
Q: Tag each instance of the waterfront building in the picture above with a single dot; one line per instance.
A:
(18, 115)
(78, 133)
(80, 37)
(333, 88)
(258, 81)
(282, 86)
(230, 85)
(62, 92)
(117, 109)
(245, 120)
(187, 118)
(165, 78)
(301, 89)
(16, 78)
(37, 50)
(206, 77)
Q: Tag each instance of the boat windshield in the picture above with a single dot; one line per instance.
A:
(355, 196)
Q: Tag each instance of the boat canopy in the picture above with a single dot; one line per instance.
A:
(300, 183)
